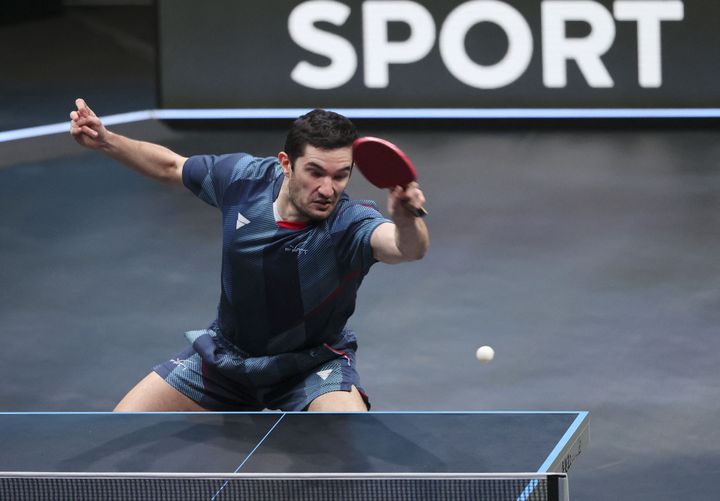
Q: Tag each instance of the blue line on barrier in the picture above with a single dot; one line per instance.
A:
(486, 113)
(64, 127)
(380, 113)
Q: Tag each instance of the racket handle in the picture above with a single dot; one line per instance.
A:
(421, 212)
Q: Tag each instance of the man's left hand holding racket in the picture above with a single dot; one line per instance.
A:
(406, 202)
(405, 205)
(386, 166)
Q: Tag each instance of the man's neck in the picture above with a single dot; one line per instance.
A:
(284, 209)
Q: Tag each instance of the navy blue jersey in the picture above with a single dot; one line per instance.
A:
(283, 289)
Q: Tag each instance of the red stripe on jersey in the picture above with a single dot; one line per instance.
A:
(344, 281)
(292, 225)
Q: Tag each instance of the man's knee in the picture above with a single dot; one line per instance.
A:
(339, 401)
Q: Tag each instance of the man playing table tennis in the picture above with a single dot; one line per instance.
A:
(295, 251)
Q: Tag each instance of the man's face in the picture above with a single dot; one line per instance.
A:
(317, 180)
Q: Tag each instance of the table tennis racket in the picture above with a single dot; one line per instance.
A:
(384, 164)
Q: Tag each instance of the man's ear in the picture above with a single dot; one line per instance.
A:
(285, 163)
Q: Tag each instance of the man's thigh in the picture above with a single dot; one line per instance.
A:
(154, 394)
(339, 401)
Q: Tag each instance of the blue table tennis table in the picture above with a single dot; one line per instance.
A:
(303, 456)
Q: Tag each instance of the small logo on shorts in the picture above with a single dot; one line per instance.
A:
(181, 363)
(324, 374)
(241, 221)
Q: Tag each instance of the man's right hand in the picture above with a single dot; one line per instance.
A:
(86, 127)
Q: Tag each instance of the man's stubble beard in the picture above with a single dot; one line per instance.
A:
(297, 203)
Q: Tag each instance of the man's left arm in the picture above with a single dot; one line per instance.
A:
(406, 238)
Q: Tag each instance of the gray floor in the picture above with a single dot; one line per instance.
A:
(588, 259)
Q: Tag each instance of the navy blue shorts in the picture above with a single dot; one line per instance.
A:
(219, 377)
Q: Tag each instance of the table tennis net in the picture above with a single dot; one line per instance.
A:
(56, 487)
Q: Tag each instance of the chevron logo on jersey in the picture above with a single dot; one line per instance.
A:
(324, 374)
(241, 221)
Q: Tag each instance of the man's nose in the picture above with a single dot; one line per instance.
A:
(326, 187)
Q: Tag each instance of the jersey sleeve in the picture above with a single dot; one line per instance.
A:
(208, 176)
(352, 229)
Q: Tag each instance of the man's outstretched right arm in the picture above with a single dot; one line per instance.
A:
(149, 159)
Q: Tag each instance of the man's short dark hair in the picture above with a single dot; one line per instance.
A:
(322, 129)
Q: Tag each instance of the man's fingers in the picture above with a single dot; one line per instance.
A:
(410, 196)
(408, 192)
(92, 121)
(78, 130)
(83, 122)
(90, 132)
(83, 108)
(88, 125)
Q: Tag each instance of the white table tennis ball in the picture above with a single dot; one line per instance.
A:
(485, 353)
